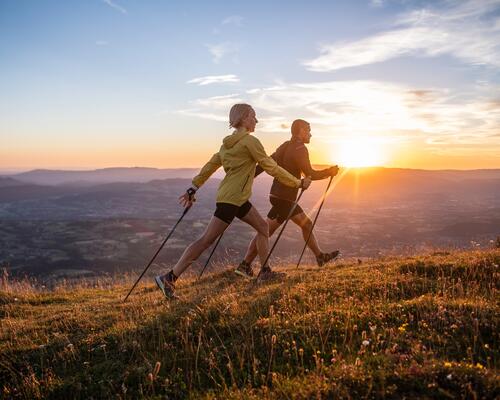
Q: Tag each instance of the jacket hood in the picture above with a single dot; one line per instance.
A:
(235, 137)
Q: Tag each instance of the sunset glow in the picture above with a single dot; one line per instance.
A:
(360, 152)
(390, 90)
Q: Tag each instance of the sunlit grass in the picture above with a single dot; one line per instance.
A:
(395, 327)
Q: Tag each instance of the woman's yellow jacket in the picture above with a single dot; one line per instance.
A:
(238, 156)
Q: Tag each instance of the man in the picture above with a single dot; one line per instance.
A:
(293, 157)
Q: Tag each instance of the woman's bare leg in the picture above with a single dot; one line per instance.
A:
(252, 248)
(254, 219)
(194, 250)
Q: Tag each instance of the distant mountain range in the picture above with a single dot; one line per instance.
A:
(355, 184)
(115, 218)
(105, 175)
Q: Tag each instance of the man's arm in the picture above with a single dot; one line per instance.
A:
(307, 169)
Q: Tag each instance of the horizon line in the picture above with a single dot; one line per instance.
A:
(15, 171)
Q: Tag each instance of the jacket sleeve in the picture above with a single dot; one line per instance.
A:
(269, 165)
(208, 169)
(259, 170)
(306, 168)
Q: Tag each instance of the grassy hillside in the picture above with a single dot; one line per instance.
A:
(424, 327)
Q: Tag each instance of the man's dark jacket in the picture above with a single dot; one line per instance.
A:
(294, 157)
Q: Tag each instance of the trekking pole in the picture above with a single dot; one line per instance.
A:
(314, 222)
(161, 247)
(282, 229)
(211, 254)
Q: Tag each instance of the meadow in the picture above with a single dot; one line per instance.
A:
(402, 327)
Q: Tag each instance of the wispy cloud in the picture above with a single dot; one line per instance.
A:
(215, 108)
(466, 30)
(208, 80)
(233, 20)
(221, 50)
(115, 6)
(101, 42)
(393, 112)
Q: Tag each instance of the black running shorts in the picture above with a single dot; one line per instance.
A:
(226, 212)
(281, 208)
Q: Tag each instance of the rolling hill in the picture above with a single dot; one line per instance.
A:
(418, 327)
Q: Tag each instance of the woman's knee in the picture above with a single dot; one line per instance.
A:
(203, 242)
(263, 228)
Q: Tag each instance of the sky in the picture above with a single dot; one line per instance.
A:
(106, 83)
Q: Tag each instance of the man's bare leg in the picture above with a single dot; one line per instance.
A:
(305, 223)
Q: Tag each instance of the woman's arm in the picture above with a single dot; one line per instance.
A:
(208, 169)
(269, 165)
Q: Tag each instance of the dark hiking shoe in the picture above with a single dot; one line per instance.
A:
(267, 274)
(244, 270)
(324, 258)
(166, 285)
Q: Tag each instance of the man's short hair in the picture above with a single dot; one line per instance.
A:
(297, 125)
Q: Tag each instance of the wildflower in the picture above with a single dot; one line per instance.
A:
(448, 377)
(447, 364)
(366, 342)
(273, 339)
(479, 366)
(486, 346)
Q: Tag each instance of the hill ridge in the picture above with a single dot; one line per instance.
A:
(386, 328)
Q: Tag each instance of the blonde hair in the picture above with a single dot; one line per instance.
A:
(238, 113)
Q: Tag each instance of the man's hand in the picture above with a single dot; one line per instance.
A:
(187, 199)
(334, 170)
(306, 182)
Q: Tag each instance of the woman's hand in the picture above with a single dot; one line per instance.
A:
(187, 200)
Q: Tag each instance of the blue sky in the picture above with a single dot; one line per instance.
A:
(96, 83)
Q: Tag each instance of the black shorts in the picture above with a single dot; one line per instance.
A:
(227, 212)
(281, 208)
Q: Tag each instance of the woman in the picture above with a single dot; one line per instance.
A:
(238, 154)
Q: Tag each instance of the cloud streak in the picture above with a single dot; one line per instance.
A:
(467, 31)
(221, 50)
(211, 79)
(392, 112)
(115, 6)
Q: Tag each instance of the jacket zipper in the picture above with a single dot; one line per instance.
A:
(246, 180)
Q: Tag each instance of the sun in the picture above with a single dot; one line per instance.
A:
(360, 152)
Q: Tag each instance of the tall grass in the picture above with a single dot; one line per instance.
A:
(421, 326)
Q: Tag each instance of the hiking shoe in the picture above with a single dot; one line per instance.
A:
(267, 274)
(244, 270)
(166, 286)
(324, 258)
